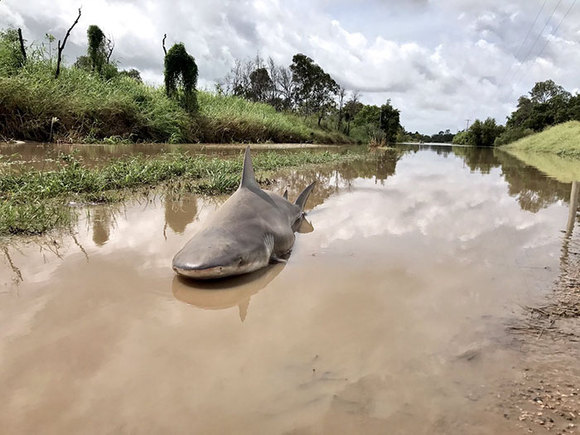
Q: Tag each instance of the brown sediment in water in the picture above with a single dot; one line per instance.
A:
(389, 317)
(546, 395)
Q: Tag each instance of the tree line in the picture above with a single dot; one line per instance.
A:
(304, 88)
(546, 104)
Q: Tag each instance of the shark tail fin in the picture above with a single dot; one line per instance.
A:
(303, 197)
(243, 308)
(285, 196)
(248, 176)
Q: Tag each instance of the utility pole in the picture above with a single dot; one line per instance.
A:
(467, 124)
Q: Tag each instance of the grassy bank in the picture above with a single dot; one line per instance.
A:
(82, 107)
(562, 140)
(555, 151)
(35, 201)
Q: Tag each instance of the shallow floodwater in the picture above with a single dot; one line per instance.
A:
(45, 156)
(389, 317)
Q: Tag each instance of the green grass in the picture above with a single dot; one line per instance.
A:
(226, 119)
(562, 140)
(87, 108)
(35, 201)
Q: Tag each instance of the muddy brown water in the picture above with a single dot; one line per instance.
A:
(389, 317)
(46, 156)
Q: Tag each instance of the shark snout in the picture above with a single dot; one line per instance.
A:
(208, 270)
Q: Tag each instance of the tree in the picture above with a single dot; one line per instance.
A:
(351, 109)
(181, 77)
(368, 119)
(341, 96)
(314, 89)
(133, 74)
(61, 46)
(22, 49)
(260, 85)
(283, 92)
(483, 134)
(96, 49)
(547, 104)
(543, 92)
(389, 121)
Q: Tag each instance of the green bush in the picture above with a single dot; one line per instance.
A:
(512, 134)
(461, 138)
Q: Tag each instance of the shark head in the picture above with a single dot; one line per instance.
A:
(215, 253)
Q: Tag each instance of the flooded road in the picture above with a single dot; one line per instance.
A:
(46, 156)
(390, 316)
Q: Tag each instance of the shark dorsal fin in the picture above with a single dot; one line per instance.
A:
(285, 196)
(303, 197)
(248, 176)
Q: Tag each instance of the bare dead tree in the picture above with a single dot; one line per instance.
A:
(285, 86)
(341, 96)
(22, 49)
(163, 43)
(110, 46)
(61, 47)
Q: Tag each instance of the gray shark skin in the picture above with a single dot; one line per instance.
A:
(250, 230)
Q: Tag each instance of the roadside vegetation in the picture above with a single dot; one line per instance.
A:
(33, 202)
(547, 104)
(562, 140)
(93, 100)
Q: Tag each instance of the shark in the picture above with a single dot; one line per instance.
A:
(251, 229)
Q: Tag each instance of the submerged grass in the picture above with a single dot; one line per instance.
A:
(36, 201)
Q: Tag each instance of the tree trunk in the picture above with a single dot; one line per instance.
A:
(22, 49)
(61, 47)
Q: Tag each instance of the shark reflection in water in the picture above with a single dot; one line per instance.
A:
(225, 293)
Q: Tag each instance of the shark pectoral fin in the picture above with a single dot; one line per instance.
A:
(276, 259)
(305, 226)
(243, 308)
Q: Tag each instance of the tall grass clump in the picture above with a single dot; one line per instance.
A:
(81, 106)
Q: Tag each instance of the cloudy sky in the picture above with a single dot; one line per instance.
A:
(439, 61)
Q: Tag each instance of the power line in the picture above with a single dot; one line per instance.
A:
(557, 27)
(530, 28)
(536, 41)
(524, 41)
(552, 33)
